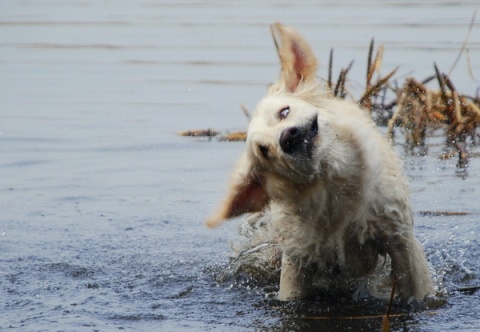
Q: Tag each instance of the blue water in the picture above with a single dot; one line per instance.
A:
(103, 204)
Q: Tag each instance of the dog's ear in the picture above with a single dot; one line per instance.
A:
(296, 57)
(246, 193)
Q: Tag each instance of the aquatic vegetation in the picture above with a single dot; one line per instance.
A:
(415, 108)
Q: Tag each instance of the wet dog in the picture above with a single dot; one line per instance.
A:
(337, 199)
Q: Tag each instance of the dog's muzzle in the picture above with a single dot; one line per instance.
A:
(299, 140)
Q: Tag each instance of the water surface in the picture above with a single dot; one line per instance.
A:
(103, 205)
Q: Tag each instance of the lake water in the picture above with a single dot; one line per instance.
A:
(103, 204)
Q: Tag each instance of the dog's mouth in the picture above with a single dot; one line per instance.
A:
(299, 140)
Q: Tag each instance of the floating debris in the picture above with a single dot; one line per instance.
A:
(420, 108)
(470, 290)
(443, 213)
(234, 137)
(386, 317)
(372, 90)
(199, 133)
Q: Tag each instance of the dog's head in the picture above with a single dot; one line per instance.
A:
(283, 138)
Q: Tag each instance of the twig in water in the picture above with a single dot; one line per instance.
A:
(340, 86)
(385, 320)
(369, 62)
(330, 67)
(245, 111)
(199, 133)
(443, 213)
(464, 48)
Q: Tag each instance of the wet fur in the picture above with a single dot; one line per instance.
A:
(338, 202)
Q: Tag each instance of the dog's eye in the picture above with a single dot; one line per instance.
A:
(283, 113)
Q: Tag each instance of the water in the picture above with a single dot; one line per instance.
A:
(103, 205)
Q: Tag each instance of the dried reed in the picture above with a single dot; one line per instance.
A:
(415, 109)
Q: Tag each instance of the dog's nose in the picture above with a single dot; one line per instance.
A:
(291, 138)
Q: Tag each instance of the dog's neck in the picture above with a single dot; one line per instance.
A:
(317, 200)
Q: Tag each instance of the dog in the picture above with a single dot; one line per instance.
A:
(334, 188)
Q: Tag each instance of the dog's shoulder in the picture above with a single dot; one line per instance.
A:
(380, 168)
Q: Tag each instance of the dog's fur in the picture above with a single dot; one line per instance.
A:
(335, 190)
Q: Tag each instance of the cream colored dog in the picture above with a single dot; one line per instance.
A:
(334, 187)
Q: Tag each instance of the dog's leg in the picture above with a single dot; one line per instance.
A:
(294, 280)
(410, 267)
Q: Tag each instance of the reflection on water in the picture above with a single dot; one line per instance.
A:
(103, 206)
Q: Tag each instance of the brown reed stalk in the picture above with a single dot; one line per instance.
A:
(340, 90)
(330, 68)
(365, 100)
(386, 317)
